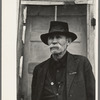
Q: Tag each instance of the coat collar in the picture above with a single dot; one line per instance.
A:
(72, 65)
(41, 78)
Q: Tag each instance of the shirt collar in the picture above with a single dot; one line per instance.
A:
(61, 61)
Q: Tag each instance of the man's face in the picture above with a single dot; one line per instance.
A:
(57, 43)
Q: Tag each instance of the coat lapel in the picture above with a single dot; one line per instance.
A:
(41, 78)
(71, 70)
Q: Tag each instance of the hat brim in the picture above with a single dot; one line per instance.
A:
(44, 37)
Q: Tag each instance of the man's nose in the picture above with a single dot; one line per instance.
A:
(54, 40)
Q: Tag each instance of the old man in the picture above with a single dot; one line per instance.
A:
(63, 76)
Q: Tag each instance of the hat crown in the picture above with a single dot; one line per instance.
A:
(57, 26)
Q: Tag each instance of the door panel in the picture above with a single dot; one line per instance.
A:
(38, 22)
(76, 18)
(38, 52)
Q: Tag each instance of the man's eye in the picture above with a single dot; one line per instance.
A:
(51, 37)
(58, 36)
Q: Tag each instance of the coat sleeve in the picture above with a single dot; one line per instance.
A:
(89, 81)
(33, 85)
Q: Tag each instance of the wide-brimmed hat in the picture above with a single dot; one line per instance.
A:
(58, 27)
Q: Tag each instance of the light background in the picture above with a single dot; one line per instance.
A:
(9, 37)
(9, 40)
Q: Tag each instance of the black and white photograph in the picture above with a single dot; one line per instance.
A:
(55, 50)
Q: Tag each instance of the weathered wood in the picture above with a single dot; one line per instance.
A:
(41, 3)
(19, 47)
(55, 2)
(55, 13)
(18, 58)
(78, 10)
(90, 37)
(83, 1)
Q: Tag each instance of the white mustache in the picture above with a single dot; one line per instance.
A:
(54, 46)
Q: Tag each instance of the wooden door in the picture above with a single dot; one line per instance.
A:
(38, 22)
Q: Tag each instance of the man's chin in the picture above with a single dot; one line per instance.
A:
(55, 52)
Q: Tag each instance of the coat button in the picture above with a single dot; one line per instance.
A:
(70, 95)
(58, 71)
(57, 94)
(59, 86)
(59, 83)
(52, 83)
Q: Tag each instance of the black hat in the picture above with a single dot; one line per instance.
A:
(58, 27)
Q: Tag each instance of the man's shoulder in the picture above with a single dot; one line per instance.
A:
(82, 60)
(40, 65)
(80, 57)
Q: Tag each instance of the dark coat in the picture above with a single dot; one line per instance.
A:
(80, 79)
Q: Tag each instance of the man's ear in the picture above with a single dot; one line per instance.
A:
(69, 41)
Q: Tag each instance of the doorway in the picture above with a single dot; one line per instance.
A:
(38, 22)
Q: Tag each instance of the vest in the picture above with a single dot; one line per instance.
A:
(52, 90)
